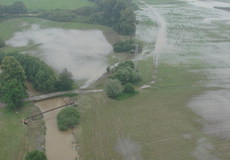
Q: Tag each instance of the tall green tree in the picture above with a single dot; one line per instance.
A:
(127, 22)
(65, 81)
(12, 93)
(113, 88)
(12, 69)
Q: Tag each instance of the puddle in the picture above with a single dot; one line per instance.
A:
(59, 145)
(128, 149)
(82, 52)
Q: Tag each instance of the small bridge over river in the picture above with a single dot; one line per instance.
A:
(56, 94)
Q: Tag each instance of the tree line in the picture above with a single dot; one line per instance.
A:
(18, 68)
(17, 7)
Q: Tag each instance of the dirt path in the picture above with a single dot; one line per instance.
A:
(161, 39)
(59, 145)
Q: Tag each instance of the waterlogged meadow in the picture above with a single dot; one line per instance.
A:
(198, 40)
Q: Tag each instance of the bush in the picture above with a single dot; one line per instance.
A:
(129, 88)
(113, 88)
(130, 46)
(35, 155)
(67, 118)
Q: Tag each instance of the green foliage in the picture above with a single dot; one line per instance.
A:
(127, 22)
(17, 7)
(130, 46)
(126, 73)
(35, 155)
(67, 118)
(12, 69)
(69, 95)
(129, 88)
(65, 81)
(113, 88)
(12, 93)
(2, 43)
(38, 73)
(12, 78)
(116, 14)
(58, 15)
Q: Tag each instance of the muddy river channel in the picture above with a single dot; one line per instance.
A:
(59, 145)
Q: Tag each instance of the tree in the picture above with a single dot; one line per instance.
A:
(113, 88)
(35, 155)
(17, 8)
(65, 81)
(129, 88)
(2, 43)
(12, 93)
(45, 80)
(12, 69)
(67, 118)
(127, 22)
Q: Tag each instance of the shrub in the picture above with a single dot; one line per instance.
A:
(113, 88)
(35, 155)
(67, 118)
(128, 46)
(129, 88)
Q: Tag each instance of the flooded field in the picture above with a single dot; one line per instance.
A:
(198, 38)
(83, 53)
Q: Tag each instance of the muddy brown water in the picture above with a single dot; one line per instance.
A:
(59, 145)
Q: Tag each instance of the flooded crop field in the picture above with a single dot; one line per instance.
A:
(182, 110)
(198, 38)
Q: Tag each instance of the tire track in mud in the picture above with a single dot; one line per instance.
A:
(161, 39)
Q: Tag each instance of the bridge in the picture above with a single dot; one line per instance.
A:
(56, 94)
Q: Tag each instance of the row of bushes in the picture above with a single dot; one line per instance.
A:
(130, 46)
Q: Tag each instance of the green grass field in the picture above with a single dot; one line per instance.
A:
(16, 138)
(51, 4)
(157, 119)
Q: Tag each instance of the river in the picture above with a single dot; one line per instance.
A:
(59, 145)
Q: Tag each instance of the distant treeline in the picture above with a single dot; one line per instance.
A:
(42, 76)
(15, 8)
(118, 14)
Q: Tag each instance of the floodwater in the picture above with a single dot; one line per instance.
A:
(196, 33)
(83, 53)
(59, 145)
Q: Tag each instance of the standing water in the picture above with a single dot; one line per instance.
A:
(197, 33)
